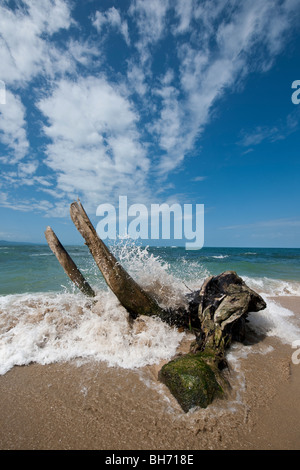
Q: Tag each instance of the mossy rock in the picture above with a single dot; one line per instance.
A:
(191, 381)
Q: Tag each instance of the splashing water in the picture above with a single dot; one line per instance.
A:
(151, 272)
(49, 328)
(44, 319)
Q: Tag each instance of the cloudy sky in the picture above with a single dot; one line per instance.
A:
(185, 101)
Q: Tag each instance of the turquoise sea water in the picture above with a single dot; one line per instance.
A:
(33, 268)
(44, 318)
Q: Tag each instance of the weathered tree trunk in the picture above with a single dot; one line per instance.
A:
(216, 313)
(223, 304)
(67, 263)
(130, 294)
(225, 301)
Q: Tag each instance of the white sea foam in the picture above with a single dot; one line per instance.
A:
(152, 273)
(277, 321)
(220, 256)
(273, 287)
(51, 327)
(236, 353)
(42, 254)
(46, 328)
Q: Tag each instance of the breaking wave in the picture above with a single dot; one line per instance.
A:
(46, 327)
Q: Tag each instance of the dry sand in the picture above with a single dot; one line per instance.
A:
(90, 406)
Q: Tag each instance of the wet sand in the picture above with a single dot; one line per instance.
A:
(91, 406)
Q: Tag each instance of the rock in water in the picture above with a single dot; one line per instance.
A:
(192, 381)
(224, 301)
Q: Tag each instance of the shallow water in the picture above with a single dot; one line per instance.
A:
(44, 319)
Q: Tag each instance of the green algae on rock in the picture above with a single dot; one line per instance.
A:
(192, 381)
(224, 302)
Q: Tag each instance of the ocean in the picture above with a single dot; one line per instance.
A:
(45, 319)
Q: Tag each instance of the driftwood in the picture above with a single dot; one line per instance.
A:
(216, 314)
(67, 263)
(130, 294)
(223, 304)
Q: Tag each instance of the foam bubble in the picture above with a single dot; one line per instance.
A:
(50, 327)
(273, 287)
(236, 353)
(45, 328)
(151, 272)
(276, 321)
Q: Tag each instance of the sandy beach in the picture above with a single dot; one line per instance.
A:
(91, 406)
(149, 188)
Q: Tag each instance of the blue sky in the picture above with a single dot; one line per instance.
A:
(163, 101)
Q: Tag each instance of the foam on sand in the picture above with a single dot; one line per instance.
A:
(45, 328)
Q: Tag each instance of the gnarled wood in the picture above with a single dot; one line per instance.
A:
(217, 314)
(225, 301)
(130, 294)
(67, 263)
(223, 304)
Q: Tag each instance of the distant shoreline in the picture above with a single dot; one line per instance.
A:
(13, 243)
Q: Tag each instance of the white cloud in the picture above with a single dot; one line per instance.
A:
(184, 12)
(28, 50)
(24, 49)
(284, 222)
(271, 133)
(137, 79)
(28, 169)
(95, 148)
(113, 19)
(25, 205)
(225, 43)
(258, 135)
(150, 19)
(199, 178)
(13, 129)
(82, 51)
(49, 15)
(169, 128)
